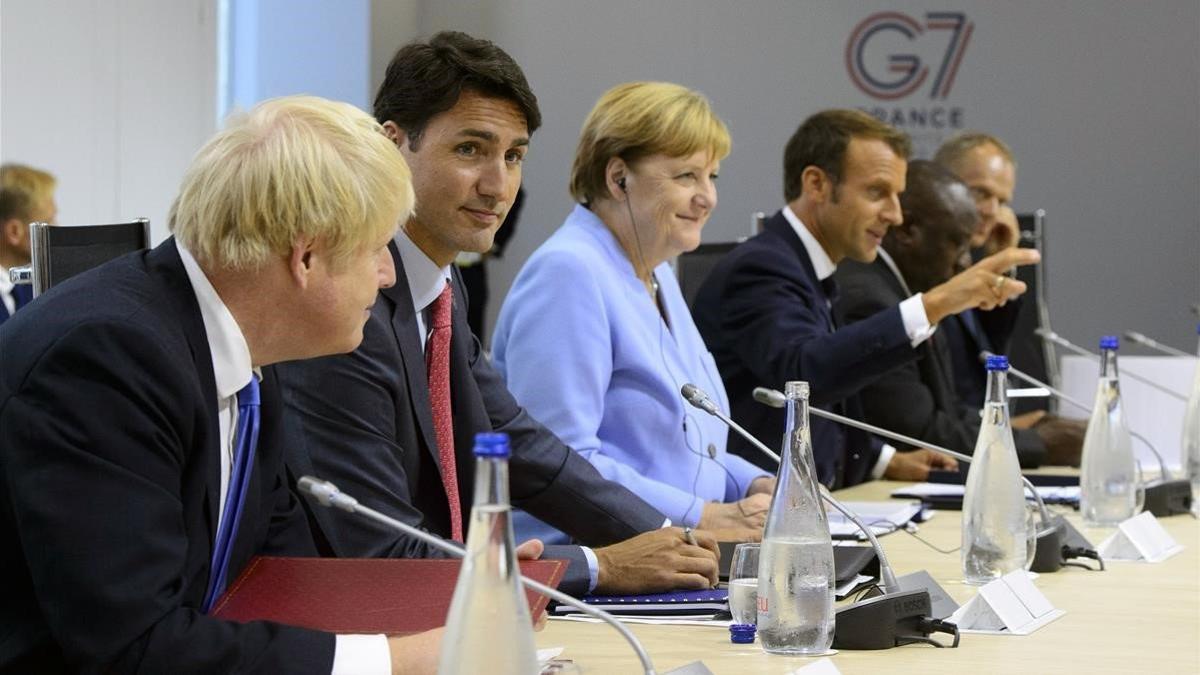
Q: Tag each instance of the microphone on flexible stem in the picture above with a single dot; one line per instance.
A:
(1165, 496)
(877, 622)
(328, 494)
(1047, 557)
(1141, 339)
(1071, 346)
(699, 399)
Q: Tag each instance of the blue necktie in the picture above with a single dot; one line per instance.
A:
(22, 295)
(830, 288)
(971, 322)
(235, 496)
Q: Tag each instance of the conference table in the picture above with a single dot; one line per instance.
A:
(1131, 618)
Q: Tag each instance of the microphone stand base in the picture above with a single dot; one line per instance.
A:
(881, 621)
(1048, 556)
(1168, 497)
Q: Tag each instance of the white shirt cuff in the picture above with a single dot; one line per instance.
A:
(916, 321)
(885, 458)
(361, 655)
(593, 568)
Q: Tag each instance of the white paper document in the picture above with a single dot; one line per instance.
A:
(881, 517)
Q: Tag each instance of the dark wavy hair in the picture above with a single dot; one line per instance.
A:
(427, 78)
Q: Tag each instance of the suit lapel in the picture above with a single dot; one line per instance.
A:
(779, 226)
(412, 352)
(165, 263)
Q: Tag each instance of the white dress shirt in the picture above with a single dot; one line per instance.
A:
(6, 288)
(232, 370)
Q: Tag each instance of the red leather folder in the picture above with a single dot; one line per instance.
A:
(348, 595)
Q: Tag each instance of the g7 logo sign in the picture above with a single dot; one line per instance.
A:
(904, 72)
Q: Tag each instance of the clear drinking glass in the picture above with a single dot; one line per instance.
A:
(743, 583)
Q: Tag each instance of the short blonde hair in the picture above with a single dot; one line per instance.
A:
(23, 191)
(955, 148)
(291, 168)
(639, 119)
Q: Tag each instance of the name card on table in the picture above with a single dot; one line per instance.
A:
(1010, 605)
(1140, 539)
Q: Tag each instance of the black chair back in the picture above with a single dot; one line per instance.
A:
(1027, 351)
(61, 252)
(693, 267)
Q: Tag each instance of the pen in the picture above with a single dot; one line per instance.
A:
(687, 534)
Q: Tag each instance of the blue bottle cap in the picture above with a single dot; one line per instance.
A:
(997, 362)
(742, 633)
(1110, 342)
(489, 444)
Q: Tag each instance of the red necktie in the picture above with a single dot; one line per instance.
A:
(437, 363)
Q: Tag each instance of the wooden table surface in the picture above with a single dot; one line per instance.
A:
(1132, 618)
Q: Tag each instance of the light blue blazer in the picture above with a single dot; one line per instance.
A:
(583, 347)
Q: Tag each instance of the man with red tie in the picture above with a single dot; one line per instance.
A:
(393, 422)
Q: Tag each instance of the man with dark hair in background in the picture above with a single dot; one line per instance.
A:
(766, 309)
(26, 196)
(918, 398)
(398, 434)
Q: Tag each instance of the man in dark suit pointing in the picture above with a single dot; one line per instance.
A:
(932, 245)
(766, 309)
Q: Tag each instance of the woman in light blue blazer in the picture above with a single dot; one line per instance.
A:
(595, 338)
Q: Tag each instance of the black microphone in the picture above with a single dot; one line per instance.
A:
(1047, 557)
(1165, 496)
(1154, 344)
(328, 494)
(880, 622)
(1071, 346)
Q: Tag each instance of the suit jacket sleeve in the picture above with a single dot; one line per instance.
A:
(94, 453)
(342, 426)
(564, 380)
(554, 482)
(771, 320)
(899, 400)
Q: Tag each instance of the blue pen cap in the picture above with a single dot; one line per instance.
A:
(1198, 329)
(1110, 342)
(997, 362)
(488, 444)
(742, 633)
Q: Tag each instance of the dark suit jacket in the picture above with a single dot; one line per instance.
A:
(110, 472)
(969, 333)
(918, 398)
(364, 421)
(763, 314)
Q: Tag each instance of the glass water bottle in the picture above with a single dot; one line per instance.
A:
(795, 572)
(488, 629)
(994, 523)
(1108, 479)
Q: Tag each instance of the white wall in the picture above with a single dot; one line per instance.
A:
(1100, 100)
(112, 96)
(282, 47)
